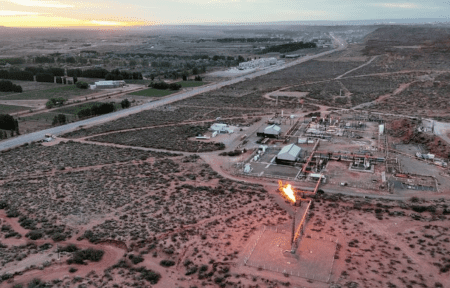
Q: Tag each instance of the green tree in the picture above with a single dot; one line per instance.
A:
(59, 119)
(125, 103)
(195, 71)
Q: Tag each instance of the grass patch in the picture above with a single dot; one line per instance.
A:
(64, 91)
(73, 110)
(186, 84)
(6, 109)
(136, 81)
(45, 117)
(153, 92)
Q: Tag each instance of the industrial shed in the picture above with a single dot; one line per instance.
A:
(272, 131)
(288, 155)
(221, 128)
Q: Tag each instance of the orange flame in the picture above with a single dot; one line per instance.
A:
(287, 190)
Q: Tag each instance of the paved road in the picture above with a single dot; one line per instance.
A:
(36, 136)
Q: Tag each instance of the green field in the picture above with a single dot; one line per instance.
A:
(133, 81)
(6, 109)
(186, 84)
(73, 110)
(153, 92)
(64, 91)
(45, 117)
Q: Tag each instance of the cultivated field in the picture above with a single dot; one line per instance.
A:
(65, 91)
(153, 92)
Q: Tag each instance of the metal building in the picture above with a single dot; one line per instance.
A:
(272, 131)
(288, 154)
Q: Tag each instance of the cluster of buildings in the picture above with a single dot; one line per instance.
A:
(258, 63)
(430, 157)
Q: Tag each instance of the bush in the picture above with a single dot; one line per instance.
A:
(3, 204)
(8, 86)
(34, 235)
(55, 102)
(73, 270)
(125, 103)
(59, 119)
(89, 254)
(58, 237)
(149, 275)
(174, 86)
(84, 113)
(36, 283)
(4, 74)
(34, 70)
(95, 73)
(7, 122)
(74, 72)
(103, 108)
(135, 259)
(45, 77)
(167, 263)
(21, 75)
(56, 71)
(82, 85)
(159, 85)
(12, 213)
(69, 248)
(88, 234)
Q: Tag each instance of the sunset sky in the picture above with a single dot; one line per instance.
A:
(85, 13)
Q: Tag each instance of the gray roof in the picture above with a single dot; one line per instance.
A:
(289, 152)
(272, 129)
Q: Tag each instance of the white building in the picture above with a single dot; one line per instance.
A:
(221, 128)
(109, 84)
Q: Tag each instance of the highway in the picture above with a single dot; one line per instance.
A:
(59, 130)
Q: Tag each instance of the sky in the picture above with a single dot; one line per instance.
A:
(120, 13)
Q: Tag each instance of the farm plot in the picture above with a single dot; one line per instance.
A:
(170, 138)
(73, 110)
(160, 116)
(151, 92)
(61, 91)
(44, 119)
(36, 158)
(187, 84)
(6, 109)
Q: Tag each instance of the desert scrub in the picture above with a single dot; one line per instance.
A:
(167, 263)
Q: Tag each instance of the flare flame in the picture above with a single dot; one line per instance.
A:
(287, 190)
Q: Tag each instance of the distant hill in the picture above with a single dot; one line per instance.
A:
(389, 38)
